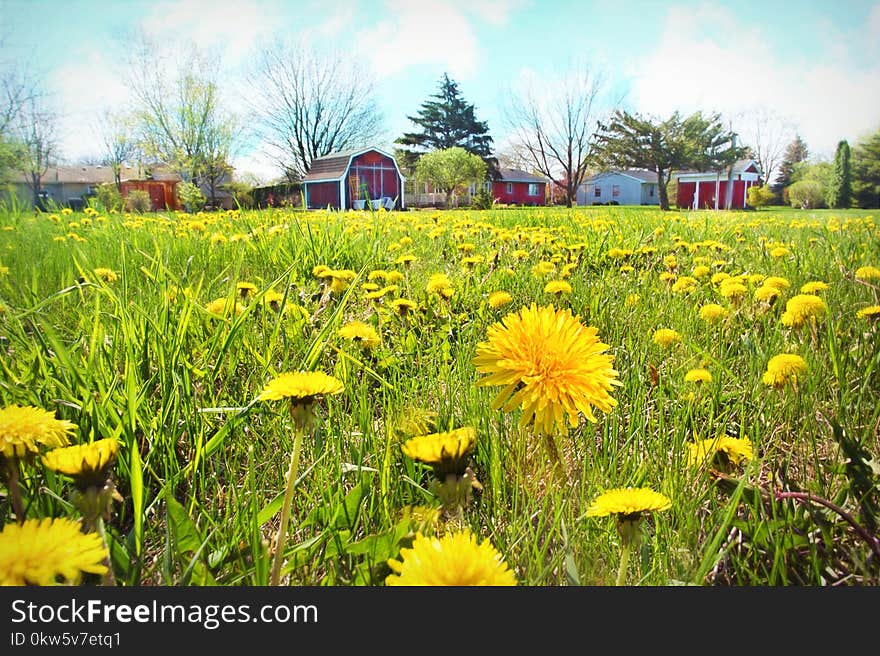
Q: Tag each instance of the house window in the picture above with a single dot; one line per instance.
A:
(651, 191)
(509, 188)
(597, 191)
(615, 190)
(533, 189)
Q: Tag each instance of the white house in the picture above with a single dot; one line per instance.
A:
(630, 187)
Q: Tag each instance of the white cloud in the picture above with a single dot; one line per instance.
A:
(233, 25)
(696, 65)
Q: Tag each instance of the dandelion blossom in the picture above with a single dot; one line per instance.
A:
(499, 299)
(24, 429)
(358, 331)
(48, 552)
(870, 312)
(628, 502)
(550, 365)
(301, 386)
(446, 452)
(784, 368)
(868, 273)
(665, 337)
(712, 312)
(720, 451)
(89, 464)
(698, 376)
(107, 275)
(813, 287)
(801, 308)
(557, 287)
(456, 559)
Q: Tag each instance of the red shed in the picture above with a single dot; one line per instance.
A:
(163, 193)
(708, 190)
(515, 186)
(352, 178)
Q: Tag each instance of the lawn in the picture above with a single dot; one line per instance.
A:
(162, 331)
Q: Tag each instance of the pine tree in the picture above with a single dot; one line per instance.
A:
(839, 194)
(795, 152)
(448, 122)
(866, 171)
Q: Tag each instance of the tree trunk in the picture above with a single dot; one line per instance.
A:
(661, 191)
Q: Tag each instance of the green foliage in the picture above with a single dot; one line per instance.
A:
(191, 197)
(761, 196)
(698, 142)
(12, 155)
(451, 170)
(108, 197)
(838, 194)
(483, 199)
(806, 194)
(448, 122)
(795, 153)
(138, 200)
(242, 192)
(866, 172)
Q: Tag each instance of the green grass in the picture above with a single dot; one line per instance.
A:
(202, 463)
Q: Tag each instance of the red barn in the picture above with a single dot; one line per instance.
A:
(513, 186)
(708, 190)
(351, 179)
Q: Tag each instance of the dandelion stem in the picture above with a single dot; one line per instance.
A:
(109, 579)
(624, 562)
(14, 489)
(281, 539)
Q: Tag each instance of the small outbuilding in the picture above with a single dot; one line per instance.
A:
(707, 190)
(513, 186)
(629, 187)
(351, 179)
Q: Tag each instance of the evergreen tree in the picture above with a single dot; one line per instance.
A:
(840, 186)
(446, 122)
(866, 172)
(795, 152)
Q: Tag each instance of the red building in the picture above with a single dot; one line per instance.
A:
(351, 179)
(163, 193)
(708, 190)
(513, 186)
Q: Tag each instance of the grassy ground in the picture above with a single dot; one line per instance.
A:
(138, 357)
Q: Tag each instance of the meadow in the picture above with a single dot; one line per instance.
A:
(162, 332)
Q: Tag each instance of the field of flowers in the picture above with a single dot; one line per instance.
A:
(536, 397)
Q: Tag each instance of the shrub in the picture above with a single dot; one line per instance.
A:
(138, 201)
(483, 200)
(191, 197)
(761, 196)
(108, 197)
(806, 194)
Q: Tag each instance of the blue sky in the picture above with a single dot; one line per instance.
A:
(815, 64)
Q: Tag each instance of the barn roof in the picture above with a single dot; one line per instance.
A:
(516, 175)
(739, 166)
(335, 165)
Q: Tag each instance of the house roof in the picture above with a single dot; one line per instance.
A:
(739, 166)
(641, 175)
(95, 174)
(516, 175)
(334, 165)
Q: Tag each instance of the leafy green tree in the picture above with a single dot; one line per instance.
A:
(191, 197)
(866, 171)
(451, 170)
(761, 196)
(697, 141)
(839, 191)
(806, 194)
(795, 152)
(447, 122)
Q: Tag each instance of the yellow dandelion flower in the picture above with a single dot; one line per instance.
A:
(631, 300)
(701, 271)
(628, 502)
(89, 464)
(223, 306)
(776, 281)
(394, 276)
(520, 254)
(273, 299)
(379, 293)
(557, 287)
(358, 331)
(499, 299)
(406, 260)
(24, 429)
(813, 287)
(48, 552)
(732, 288)
(868, 273)
(245, 288)
(870, 312)
(321, 271)
(665, 337)
(550, 365)
(685, 284)
(455, 559)
(802, 308)
(698, 376)
(712, 312)
(724, 449)
(719, 277)
(543, 268)
(784, 368)
(403, 306)
(438, 282)
(447, 452)
(107, 275)
(780, 251)
(301, 387)
(766, 294)
(377, 274)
